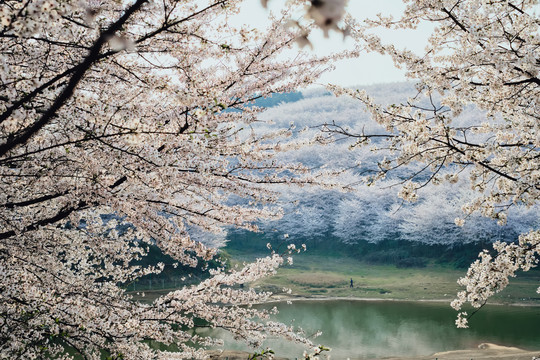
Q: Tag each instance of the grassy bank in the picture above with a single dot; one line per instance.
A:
(327, 276)
(316, 276)
(389, 269)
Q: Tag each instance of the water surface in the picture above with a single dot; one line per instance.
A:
(373, 329)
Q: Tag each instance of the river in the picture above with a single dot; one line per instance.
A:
(374, 329)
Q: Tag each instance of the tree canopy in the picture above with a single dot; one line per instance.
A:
(141, 110)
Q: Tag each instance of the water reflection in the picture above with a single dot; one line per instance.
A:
(370, 329)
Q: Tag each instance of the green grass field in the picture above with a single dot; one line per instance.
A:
(317, 276)
(320, 276)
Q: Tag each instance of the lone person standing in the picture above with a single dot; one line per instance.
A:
(351, 283)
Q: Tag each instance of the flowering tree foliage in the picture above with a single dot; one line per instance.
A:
(136, 109)
(374, 212)
(483, 54)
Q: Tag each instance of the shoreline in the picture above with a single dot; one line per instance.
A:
(484, 351)
(279, 298)
(285, 298)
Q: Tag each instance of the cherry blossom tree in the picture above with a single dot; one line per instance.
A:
(139, 109)
(373, 212)
(482, 54)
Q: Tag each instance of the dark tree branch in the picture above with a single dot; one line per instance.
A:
(532, 80)
(61, 215)
(11, 205)
(67, 92)
(455, 20)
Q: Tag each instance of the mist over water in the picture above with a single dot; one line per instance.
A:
(375, 329)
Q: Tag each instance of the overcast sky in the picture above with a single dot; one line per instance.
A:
(369, 68)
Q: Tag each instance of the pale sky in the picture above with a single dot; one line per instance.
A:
(369, 68)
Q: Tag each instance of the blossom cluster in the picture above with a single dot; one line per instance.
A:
(489, 275)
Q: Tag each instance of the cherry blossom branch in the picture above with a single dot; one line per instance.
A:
(78, 74)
